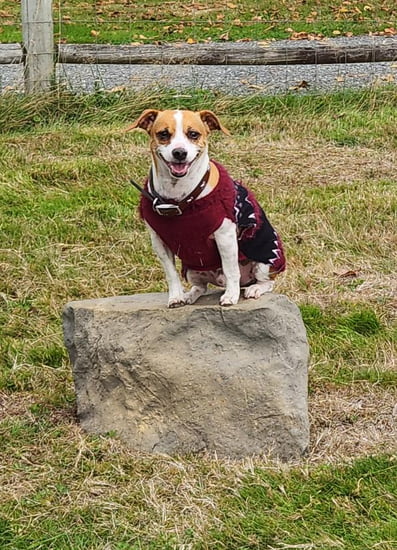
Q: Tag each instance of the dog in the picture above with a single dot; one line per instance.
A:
(194, 210)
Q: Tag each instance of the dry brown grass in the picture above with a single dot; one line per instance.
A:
(353, 421)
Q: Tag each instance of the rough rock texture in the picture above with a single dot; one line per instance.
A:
(231, 380)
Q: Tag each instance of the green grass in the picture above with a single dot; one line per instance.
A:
(151, 20)
(349, 507)
(350, 341)
(324, 168)
(99, 502)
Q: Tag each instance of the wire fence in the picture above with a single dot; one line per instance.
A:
(232, 47)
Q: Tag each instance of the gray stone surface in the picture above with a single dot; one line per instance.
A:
(198, 378)
(233, 79)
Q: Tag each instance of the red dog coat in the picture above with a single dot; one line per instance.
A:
(190, 235)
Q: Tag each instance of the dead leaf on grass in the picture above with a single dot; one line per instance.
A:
(350, 274)
(302, 85)
(303, 35)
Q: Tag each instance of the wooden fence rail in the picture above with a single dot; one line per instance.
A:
(364, 50)
(284, 52)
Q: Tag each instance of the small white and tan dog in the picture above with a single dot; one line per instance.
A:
(196, 211)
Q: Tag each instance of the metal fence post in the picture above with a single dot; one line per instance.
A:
(38, 44)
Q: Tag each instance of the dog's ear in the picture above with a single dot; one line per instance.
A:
(145, 120)
(212, 122)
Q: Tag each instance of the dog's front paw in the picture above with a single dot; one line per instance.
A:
(176, 302)
(229, 298)
(256, 290)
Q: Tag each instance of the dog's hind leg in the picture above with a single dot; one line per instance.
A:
(263, 282)
(226, 240)
(198, 280)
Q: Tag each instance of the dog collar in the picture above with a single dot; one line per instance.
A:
(169, 207)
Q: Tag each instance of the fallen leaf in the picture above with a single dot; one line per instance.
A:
(117, 89)
(95, 33)
(351, 274)
(340, 78)
(299, 36)
(303, 84)
(336, 33)
(191, 41)
(305, 36)
(251, 85)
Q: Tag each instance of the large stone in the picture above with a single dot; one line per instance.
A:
(202, 377)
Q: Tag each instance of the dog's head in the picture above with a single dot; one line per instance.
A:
(178, 138)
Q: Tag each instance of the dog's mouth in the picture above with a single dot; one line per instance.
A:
(179, 169)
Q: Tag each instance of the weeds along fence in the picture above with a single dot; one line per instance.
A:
(239, 47)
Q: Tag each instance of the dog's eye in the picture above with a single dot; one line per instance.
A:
(192, 134)
(164, 135)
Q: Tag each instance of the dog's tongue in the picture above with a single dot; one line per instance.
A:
(179, 169)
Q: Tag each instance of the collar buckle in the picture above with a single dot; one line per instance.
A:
(166, 209)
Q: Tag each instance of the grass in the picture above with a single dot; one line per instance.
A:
(124, 21)
(324, 168)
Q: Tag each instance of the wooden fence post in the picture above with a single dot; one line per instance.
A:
(38, 44)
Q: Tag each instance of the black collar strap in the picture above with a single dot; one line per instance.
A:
(165, 207)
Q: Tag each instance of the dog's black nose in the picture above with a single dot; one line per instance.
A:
(179, 154)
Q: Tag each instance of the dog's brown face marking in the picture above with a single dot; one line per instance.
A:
(165, 126)
(177, 137)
